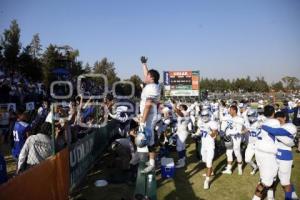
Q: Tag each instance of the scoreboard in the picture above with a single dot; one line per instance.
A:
(181, 83)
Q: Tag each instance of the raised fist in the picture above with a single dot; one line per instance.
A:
(144, 60)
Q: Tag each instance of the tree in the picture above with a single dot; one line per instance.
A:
(35, 46)
(290, 82)
(278, 86)
(76, 68)
(260, 85)
(11, 44)
(1, 55)
(30, 66)
(107, 68)
(137, 81)
(87, 68)
(49, 61)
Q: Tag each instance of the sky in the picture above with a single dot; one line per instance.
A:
(222, 39)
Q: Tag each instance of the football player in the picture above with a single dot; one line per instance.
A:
(265, 154)
(148, 109)
(253, 134)
(182, 132)
(234, 128)
(207, 129)
(284, 138)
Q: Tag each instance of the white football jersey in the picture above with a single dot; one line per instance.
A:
(182, 122)
(206, 131)
(150, 91)
(244, 115)
(255, 131)
(266, 143)
(223, 117)
(284, 142)
(234, 125)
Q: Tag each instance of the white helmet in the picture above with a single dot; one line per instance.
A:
(252, 115)
(205, 115)
(165, 110)
(141, 140)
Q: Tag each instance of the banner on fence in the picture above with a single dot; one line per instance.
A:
(84, 153)
(48, 181)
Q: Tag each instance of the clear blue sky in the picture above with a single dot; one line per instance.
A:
(222, 39)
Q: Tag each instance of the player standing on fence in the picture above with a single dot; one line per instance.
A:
(148, 108)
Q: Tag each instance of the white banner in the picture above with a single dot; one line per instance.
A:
(30, 106)
(184, 93)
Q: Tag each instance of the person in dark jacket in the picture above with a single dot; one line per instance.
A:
(296, 122)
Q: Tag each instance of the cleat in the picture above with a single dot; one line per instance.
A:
(206, 185)
(227, 171)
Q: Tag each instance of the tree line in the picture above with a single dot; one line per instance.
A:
(38, 64)
(286, 84)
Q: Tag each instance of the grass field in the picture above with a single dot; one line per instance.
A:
(10, 162)
(187, 183)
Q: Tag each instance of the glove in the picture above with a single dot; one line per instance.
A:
(144, 60)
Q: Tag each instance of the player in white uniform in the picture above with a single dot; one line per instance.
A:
(234, 129)
(207, 129)
(223, 117)
(254, 131)
(148, 109)
(285, 141)
(183, 120)
(163, 121)
(192, 111)
(215, 110)
(265, 154)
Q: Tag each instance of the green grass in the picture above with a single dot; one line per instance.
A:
(102, 170)
(188, 183)
(10, 162)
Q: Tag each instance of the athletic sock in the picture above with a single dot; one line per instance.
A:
(256, 198)
(253, 165)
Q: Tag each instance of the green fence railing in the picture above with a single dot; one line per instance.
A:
(85, 152)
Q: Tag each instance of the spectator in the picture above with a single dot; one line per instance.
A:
(12, 121)
(36, 148)
(61, 137)
(20, 133)
(4, 124)
(296, 122)
(286, 110)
